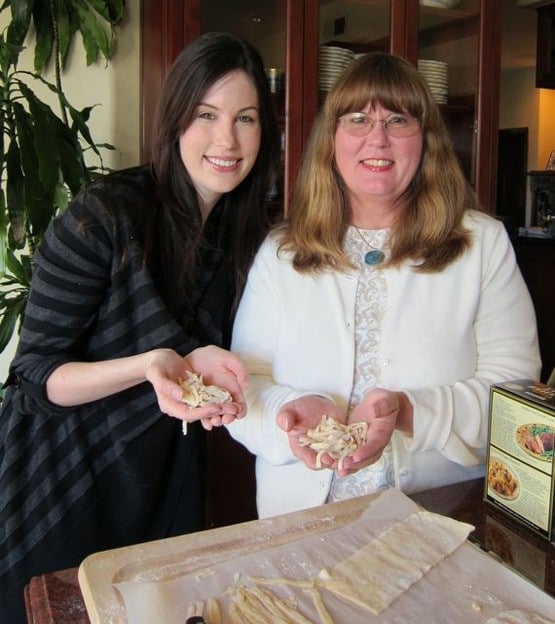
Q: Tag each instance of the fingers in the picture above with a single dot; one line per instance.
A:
(286, 421)
(240, 373)
(218, 420)
(221, 367)
(214, 414)
(310, 458)
(359, 460)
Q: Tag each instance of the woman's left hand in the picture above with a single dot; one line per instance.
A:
(384, 411)
(224, 369)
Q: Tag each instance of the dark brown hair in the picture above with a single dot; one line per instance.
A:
(178, 221)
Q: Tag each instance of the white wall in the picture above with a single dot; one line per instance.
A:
(546, 140)
(114, 87)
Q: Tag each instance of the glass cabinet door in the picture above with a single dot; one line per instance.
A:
(263, 24)
(448, 40)
(464, 34)
(260, 22)
(464, 37)
(347, 29)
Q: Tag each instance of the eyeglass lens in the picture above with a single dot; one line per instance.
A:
(361, 124)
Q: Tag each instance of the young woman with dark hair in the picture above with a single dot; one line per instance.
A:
(135, 285)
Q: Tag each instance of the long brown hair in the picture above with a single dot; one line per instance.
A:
(177, 222)
(429, 230)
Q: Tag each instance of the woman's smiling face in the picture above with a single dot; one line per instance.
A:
(220, 146)
(377, 168)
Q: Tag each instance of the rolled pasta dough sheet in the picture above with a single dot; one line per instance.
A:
(467, 586)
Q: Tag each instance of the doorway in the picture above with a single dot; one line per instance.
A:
(511, 177)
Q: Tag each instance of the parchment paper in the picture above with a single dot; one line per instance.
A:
(469, 586)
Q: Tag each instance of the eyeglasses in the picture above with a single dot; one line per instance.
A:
(361, 124)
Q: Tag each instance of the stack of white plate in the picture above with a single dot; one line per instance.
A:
(436, 74)
(440, 4)
(332, 62)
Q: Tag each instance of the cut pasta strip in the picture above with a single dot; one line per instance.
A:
(264, 607)
(335, 438)
(282, 580)
(212, 612)
(195, 608)
(323, 614)
(197, 394)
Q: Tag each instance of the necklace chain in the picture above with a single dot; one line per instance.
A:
(375, 256)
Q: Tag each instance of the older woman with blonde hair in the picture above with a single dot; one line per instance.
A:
(386, 297)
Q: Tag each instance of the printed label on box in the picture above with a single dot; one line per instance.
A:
(520, 474)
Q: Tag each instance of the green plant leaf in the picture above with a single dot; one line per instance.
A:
(42, 156)
(12, 312)
(21, 20)
(23, 176)
(44, 123)
(65, 31)
(114, 9)
(61, 197)
(71, 158)
(44, 34)
(9, 53)
(17, 269)
(25, 140)
(94, 35)
(3, 233)
(15, 193)
(80, 119)
(38, 198)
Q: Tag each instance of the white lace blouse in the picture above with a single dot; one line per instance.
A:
(371, 304)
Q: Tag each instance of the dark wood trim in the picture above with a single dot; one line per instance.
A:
(295, 88)
(545, 56)
(166, 27)
(310, 65)
(403, 26)
(489, 73)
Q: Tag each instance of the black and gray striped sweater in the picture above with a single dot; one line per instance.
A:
(116, 471)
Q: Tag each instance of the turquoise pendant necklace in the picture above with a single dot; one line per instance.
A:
(374, 256)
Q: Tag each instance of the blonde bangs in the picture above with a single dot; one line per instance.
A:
(399, 88)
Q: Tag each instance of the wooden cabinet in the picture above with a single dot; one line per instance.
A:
(466, 36)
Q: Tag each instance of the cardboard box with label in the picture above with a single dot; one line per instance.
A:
(520, 471)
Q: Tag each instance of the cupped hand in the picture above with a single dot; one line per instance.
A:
(217, 366)
(380, 409)
(298, 416)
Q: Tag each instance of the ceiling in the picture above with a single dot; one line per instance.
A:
(242, 17)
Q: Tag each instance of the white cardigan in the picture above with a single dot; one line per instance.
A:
(446, 337)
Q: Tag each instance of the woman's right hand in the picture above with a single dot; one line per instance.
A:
(298, 416)
(217, 366)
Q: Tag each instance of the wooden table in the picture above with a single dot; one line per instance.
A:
(55, 598)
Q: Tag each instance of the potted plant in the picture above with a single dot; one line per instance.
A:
(45, 157)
